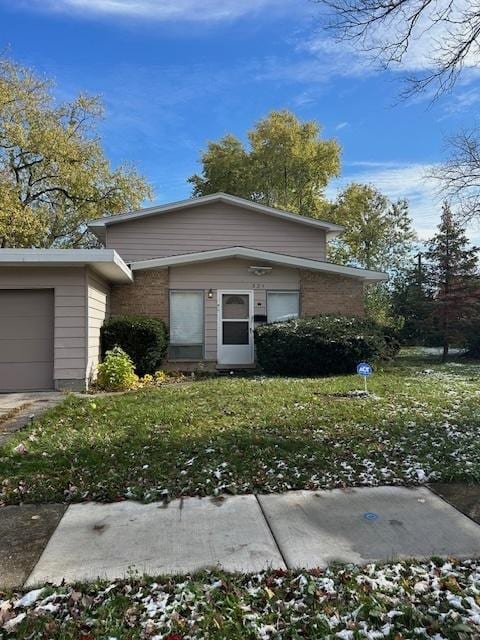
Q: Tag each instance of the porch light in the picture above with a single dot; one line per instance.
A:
(259, 271)
(210, 294)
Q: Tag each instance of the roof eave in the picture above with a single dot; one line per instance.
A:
(254, 254)
(105, 262)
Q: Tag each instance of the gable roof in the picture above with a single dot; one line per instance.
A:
(98, 226)
(264, 256)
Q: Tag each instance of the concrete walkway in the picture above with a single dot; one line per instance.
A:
(19, 409)
(299, 529)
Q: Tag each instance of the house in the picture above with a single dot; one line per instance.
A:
(212, 268)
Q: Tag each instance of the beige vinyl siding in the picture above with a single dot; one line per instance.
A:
(68, 284)
(97, 298)
(213, 226)
(230, 274)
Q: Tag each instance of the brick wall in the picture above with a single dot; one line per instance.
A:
(146, 296)
(330, 293)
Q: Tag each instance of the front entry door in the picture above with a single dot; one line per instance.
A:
(235, 329)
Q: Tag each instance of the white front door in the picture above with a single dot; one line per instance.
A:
(235, 327)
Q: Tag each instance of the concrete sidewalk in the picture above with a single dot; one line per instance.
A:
(249, 533)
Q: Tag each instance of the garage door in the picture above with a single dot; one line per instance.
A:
(26, 339)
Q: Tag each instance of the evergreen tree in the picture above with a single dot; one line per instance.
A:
(411, 304)
(452, 277)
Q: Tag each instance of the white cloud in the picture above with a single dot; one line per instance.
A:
(462, 100)
(441, 26)
(397, 181)
(427, 44)
(342, 125)
(163, 10)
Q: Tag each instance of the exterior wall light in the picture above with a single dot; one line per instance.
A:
(210, 294)
(260, 271)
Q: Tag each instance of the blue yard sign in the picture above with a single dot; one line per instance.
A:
(365, 370)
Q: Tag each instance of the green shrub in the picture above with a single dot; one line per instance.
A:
(116, 372)
(472, 340)
(392, 340)
(144, 339)
(321, 346)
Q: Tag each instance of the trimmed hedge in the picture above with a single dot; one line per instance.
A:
(322, 345)
(143, 339)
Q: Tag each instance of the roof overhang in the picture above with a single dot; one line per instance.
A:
(264, 256)
(105, 262)
(98, 226)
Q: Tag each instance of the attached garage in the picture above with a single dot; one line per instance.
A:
(52, 305)
(26, 339)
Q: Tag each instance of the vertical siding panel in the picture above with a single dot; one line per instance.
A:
(97, 310)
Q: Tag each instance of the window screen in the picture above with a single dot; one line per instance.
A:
(186, 320)
(282, 305)
(235, 307)
(235, 333)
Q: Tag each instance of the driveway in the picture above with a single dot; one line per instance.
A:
(16, 409)
(13, 402)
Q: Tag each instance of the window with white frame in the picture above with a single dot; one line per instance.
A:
(282, 305)
(186, 325)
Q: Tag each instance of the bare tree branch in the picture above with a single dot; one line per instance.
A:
(387, 30)
(459, 176)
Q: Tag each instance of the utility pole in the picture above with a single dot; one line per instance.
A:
(419, 267)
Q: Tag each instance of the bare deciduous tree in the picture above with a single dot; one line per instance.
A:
(447, 31)
(459, 176)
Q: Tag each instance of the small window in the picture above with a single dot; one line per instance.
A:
(282, 306)
(186, 325)
(235, 307)
(235, 333)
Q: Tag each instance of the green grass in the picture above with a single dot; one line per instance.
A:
(240, 435)
(436, 600)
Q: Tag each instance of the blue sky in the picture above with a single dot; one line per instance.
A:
(176, 73)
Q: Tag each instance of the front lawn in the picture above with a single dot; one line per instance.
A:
(241, 435)
(437, 600)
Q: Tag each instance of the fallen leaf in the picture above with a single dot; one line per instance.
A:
(20, 448)
(29, 598)
(13, 622)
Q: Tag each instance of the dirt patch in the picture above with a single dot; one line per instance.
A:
(464, 497)
(9, 415)
(24, 533)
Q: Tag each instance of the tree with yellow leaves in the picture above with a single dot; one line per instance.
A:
(287, 165)
(54, 176)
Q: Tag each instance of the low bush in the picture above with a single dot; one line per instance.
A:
(322, 345)
(143, 339)
(472, 340)
(116, 372)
